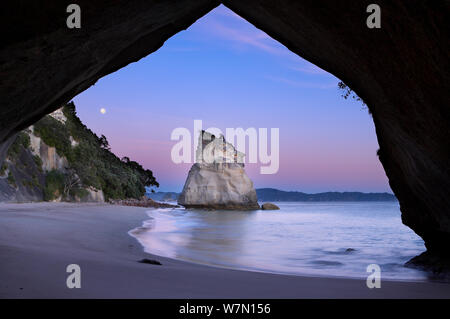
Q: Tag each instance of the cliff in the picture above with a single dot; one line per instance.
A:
(21, 175)
(59, 158)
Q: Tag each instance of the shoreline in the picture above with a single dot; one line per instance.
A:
(39, 240)
(143, 229)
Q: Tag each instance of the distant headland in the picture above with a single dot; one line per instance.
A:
(276, 195)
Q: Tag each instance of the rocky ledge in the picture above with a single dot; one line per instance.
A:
(143, 202)
(269, 206)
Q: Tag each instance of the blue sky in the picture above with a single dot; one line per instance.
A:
(227, 73)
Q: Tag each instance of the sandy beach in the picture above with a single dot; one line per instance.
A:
(38, 241)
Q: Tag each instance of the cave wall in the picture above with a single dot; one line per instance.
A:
(401, 71)
(44, 64)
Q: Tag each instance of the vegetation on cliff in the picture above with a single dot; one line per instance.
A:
(88, 164)
(22, 140)
(22, 177)
(91, 160)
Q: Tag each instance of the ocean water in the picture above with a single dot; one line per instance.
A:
(316, 239)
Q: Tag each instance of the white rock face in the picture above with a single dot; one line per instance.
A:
(59, 115)
(94, 195)
(219, 180)
(50, 158)
(218, 186)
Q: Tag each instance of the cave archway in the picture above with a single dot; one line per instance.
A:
(401, 71)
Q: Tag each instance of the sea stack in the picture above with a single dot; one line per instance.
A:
(218, 180)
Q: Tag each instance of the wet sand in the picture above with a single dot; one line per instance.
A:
(38, 241)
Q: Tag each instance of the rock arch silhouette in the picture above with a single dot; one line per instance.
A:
(401, 71)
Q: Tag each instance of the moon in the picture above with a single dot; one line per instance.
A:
(103, 110)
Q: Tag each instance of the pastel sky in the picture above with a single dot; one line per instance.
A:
(227, 73)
